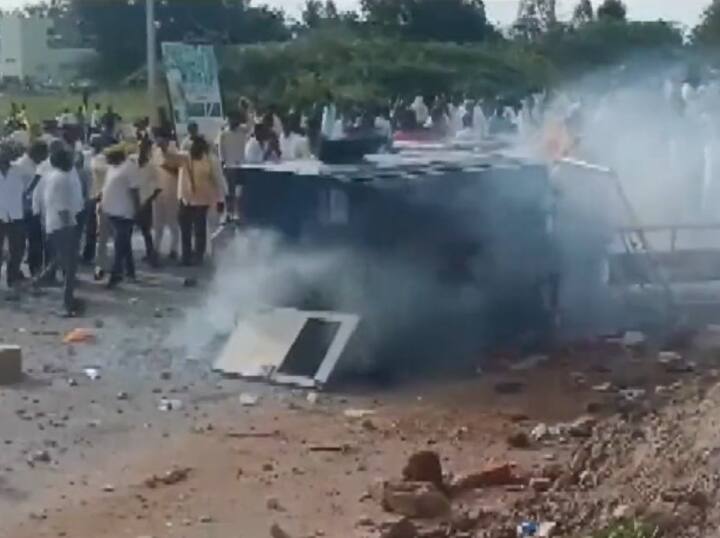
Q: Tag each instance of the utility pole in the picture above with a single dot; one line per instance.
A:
(151, 56)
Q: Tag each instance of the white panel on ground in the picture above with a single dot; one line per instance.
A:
(288, 346)
(260, 342)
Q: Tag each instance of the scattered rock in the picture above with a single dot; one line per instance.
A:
(365, 521)
(495, 476)
(108, 488)
(249, 400)
(547, 529)
(206, 519)
(582, 427)
(540, 432)
(313, 397)
(122, 395)
(603, 387)
(553, 471)
(587, 479)
(668, 518)
(517, 417)
(358, 413)
(462, 520)
(594, 408)
(540, 484)
(519, 440)
(39, 456)
(632, 395)
(622, 511)
(167, 404)
(92, 373)
(368, 425)
(698, 499)
(633, 338)
(403, 528)
(79, 336)
(528, 363)
(424, 466)
(170, 478)
(166, 376)
(273, 503)
(579, 379)
(276, 531)
(422, 500)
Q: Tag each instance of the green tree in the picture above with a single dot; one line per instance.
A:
(118, 26)
(534, 18)
(707, 32)
(460, 21)
(317, 13)
(612, 9)
(605, 42)
(583, 13)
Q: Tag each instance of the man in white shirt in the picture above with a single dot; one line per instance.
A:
(11, 215)
(231, 145)
(421, 110)
(293, 144)
(192, 133)
(67, 119)
(255, 150)
(121, 203)
(96, 119)
(38, 200)
(60, 202)
(27, 166)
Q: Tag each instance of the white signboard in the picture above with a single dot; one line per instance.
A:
(194, 87)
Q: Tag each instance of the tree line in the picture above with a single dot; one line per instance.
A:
(384, 48)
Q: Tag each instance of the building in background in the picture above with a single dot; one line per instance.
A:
(31, 50)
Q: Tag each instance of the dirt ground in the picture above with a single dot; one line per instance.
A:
(77, 453)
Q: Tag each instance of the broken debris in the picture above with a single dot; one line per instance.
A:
(358, 413)
(422, 500)
(424, 466)
(10, 365)
(172, 477)
(249, 400)
(167, 404)
(79, 336)
(92, 372)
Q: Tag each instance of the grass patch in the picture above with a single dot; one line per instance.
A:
(129, 103)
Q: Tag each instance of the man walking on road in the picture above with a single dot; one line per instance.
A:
(11, 215)
(61, 198)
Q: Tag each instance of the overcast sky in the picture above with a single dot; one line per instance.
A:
(685, 11)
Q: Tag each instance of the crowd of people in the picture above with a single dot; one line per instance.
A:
(84, 182)
(87, 181)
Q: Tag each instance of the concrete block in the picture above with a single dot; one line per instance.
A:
(10, 365)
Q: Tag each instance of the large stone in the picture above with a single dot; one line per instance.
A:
(582, 427)
(10, 364)
(495, 476)
(669, 518)
(276, 531)
(403, 528)
(540, 484)
(424, 467)
(519, 440)
(421, 500)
